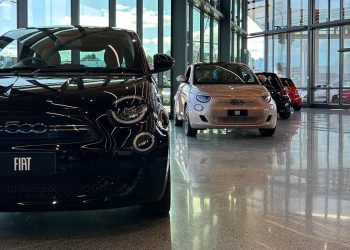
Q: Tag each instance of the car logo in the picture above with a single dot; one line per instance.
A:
(21, 163)
(15, 127)
(237, 102)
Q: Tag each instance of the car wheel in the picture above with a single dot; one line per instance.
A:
(267, 131)
(285, 115)
(159, 208)
(189, 131)
(178, 122)
(297, 107)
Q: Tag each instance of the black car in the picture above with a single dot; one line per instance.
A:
(81, 124)
(278, 92)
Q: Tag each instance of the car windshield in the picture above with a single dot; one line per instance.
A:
(243, 72)
(214, 74)
(73, 48)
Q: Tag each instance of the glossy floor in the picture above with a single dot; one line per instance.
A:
(230, 190)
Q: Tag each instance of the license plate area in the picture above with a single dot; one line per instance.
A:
(233, 113)
(27, 163)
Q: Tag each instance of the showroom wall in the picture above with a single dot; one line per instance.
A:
(305, 40)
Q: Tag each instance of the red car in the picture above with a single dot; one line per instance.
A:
(293, 93)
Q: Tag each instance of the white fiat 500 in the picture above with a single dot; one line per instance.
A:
(223, 95)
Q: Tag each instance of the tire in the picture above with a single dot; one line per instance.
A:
(297, 107)
(267, 131)
(178, 123)
(189, 131)
(285, 115)
(159, 208)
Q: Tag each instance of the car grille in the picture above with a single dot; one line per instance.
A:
(238, 120)
(46, 129)
(50, 187)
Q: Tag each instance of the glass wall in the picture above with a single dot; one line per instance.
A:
(150, 29)
(288, 51)
(256, 56)
(256, 16)
(277, 14)
(299, 13)
(166, 83)
(8, 16)
(48, 12)
(299, 61)
(94, 13)
(327, 58)
(206, 38)
(321, 11)
(215, 41)
(279, 55)
(126, 14)
(346, 9)
(346, 68)
(196, 35)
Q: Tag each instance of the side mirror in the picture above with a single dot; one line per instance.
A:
(162, 62)
(262, 79)
(181, 78)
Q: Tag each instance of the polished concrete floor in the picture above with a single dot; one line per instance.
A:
(231, 189)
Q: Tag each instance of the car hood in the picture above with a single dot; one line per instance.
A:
(229, 90)
(62, 92)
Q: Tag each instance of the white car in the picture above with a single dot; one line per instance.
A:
(223, 95)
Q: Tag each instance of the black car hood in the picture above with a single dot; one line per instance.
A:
(67, 92)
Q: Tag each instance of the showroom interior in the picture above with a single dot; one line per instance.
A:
(230, 188)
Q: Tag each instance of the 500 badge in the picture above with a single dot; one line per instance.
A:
(14, 127)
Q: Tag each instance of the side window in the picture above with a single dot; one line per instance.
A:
(8, 56)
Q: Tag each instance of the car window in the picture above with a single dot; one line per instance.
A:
(243, 72)
(208, 73)
(74, 47)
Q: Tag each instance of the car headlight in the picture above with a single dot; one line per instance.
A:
(128, 109)
(203, 98)
(266, 98)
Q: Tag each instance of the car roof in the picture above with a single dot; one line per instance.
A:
(57, 28)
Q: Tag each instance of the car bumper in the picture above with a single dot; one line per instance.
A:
(257, 117)
(94, 180)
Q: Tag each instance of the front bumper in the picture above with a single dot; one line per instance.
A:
(263, 116)
(91, 179)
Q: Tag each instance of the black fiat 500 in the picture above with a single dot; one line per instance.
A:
(278, 92)
(81, 124)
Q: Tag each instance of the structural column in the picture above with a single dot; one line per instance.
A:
(179, 13)
(225, 32)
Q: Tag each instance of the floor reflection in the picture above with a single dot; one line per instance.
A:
(264, 192)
